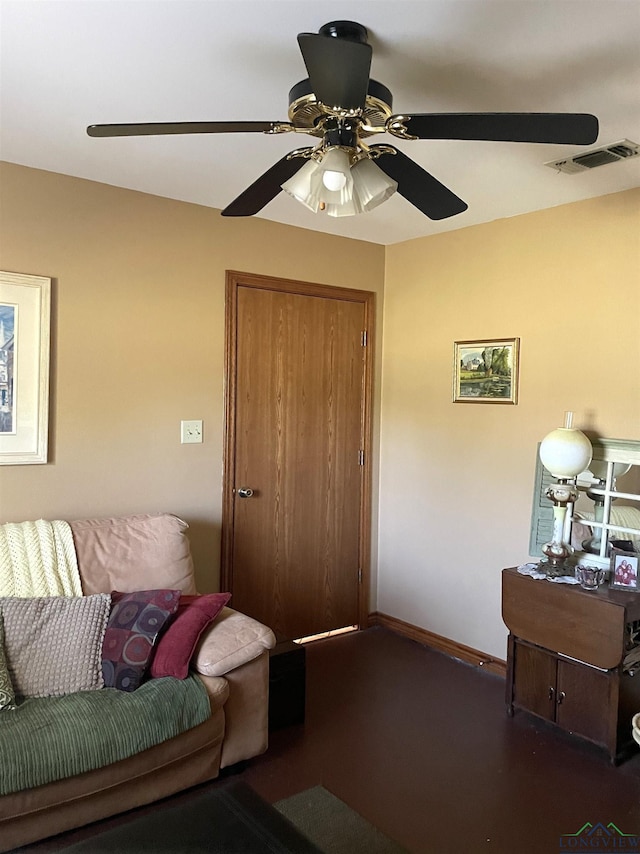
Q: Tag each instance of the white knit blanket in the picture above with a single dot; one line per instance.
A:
(38, 559)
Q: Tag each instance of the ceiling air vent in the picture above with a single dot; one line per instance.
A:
(613, 153)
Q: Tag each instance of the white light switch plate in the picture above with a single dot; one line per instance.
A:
(190, 432)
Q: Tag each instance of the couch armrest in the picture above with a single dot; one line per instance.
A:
(232, 640)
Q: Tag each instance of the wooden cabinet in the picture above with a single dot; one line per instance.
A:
(565, 655)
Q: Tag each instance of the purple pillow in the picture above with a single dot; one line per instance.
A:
(174, 649)
(135, 621)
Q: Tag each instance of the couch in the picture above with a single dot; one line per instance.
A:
(231, 660)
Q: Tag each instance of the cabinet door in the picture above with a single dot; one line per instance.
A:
(534, 680)
(585, 702)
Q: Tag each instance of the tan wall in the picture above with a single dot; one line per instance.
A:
(137, 346)
(457, 479)
(138, 342)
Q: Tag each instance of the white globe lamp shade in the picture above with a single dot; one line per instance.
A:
(565, 452)
(598, 469)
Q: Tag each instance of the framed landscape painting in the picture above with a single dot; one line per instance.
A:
(25, 311)
(486, 371)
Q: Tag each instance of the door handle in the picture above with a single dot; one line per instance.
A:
(245, 492)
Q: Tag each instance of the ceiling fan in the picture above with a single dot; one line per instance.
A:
(342, 107)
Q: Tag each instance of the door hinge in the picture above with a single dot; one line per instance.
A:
(361, 458)
(359, 576)
(364, 337)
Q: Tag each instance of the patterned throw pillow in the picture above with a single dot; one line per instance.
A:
(174, 649)
(135, 622)
(7, 697)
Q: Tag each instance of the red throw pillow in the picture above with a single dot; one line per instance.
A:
(176, 645)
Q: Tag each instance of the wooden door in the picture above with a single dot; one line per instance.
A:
(295, 552)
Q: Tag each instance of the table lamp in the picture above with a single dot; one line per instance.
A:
(565, 453)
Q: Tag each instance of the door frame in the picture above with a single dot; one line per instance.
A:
(235, 280)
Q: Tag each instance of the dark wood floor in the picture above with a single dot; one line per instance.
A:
(421, 746)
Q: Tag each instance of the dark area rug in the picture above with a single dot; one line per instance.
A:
(230, 819)
(233, 819)
(333, 826)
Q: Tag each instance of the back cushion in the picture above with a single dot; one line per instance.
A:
(131, 553)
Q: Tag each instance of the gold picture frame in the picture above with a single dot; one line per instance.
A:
(486, 370)
(25, 319)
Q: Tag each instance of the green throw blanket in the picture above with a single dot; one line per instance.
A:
(49, 738)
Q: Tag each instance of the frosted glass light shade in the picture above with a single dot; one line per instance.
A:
(565, 452)
(331, 180)
(337, 188)
(349, 208)
(371, 186)
(299, 186)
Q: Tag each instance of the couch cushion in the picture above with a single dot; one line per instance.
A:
(133, 553)
(49, 739)
(233, 640)
(53, 644)
(135, 623)
(176, 645)
(7, 695)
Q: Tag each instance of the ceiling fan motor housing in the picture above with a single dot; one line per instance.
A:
(345, 30)
(305, 111)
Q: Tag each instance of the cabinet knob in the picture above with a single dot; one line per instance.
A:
(552, 692)
(561, 697)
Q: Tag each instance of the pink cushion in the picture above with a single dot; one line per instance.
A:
(175, 647)
(132, 553)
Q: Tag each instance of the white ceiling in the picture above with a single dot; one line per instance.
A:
(65, 65)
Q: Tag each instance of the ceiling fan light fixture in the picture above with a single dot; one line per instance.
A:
(371, 186)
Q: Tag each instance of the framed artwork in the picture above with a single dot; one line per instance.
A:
(25, 318)
(486, 371)
(624, 570)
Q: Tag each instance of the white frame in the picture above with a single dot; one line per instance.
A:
(610, 451)
(31, 295)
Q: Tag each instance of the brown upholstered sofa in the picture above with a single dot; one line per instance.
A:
(139, 553)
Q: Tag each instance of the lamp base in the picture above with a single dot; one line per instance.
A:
(557, 560)
(557, 551)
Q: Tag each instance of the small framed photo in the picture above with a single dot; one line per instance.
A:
(624, 570)
(486, 371)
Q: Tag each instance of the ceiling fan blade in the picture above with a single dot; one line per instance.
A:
(568, 128)
(417, 186)
(338, 69)
(160, 128)
(265, 188)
